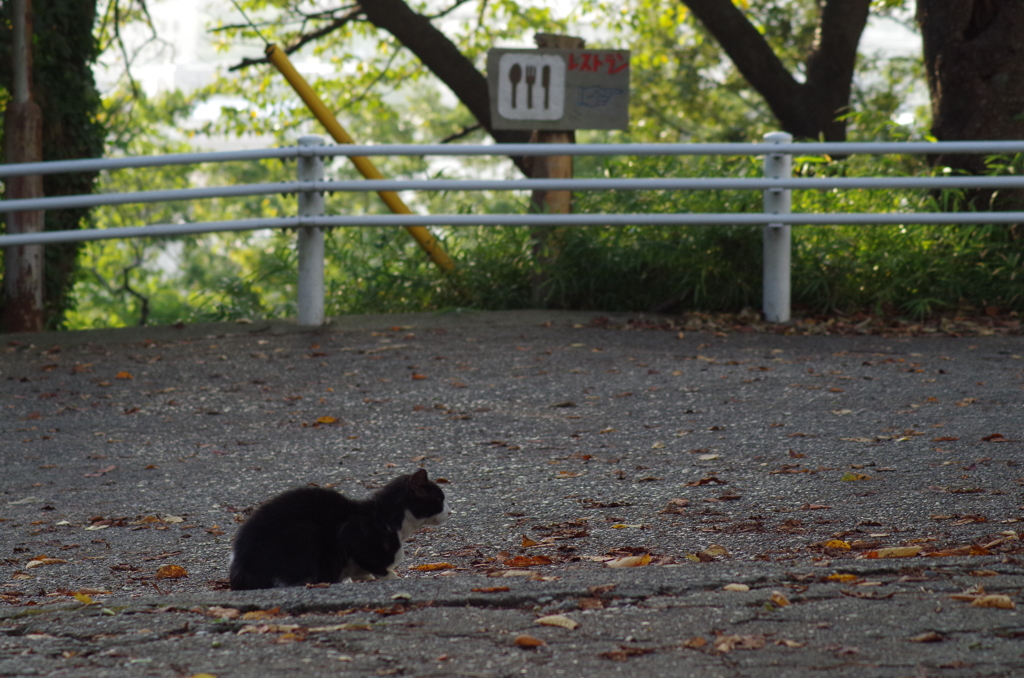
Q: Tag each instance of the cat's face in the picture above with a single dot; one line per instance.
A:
(426, 503)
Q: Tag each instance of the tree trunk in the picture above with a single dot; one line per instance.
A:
(807, 110)
(974, 58)
(65, 91)
(23, 131)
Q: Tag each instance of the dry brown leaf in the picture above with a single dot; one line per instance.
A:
(725, 644)
(779, 599)
(994, 600)
(695, 643)
(736, 587)
(490, 589)
(789, 643)
(272, 613)
(630, 561)
(171, 572)
(625, 652)
(557, 620)
(527, 542)
(431, 567)
(842, 577)
(895, 552)
(837, 544)
(527, 561)
(928, 637)
(39, 561)
(223, 612)
(525, 640)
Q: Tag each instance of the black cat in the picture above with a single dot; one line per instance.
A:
(312, 535)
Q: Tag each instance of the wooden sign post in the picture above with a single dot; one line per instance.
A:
(554, 90)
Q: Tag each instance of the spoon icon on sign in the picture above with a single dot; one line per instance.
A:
(515, 74)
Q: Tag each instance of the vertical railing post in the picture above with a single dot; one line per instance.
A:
(777, 236)
(311, 240)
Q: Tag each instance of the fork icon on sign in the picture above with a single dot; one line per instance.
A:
(531, 79)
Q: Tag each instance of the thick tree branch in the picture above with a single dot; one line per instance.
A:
(443, 58)
(806, 109)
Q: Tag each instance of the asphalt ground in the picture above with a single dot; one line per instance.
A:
(568, 445)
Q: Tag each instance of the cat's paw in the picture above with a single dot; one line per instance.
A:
(362, 576)
(391, 574)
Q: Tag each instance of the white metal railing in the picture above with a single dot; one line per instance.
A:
(776, 186)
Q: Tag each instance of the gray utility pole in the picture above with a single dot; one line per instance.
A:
(23, 137)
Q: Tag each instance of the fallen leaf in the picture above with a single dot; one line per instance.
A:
(736, 587)
(945, 439)
(994, 600)
(713, 551)
(630, 561)
(705, 481)
(100, 472)
(789, 643)
(272, 613)
(842, 577)
(837, 544)
(557, 620)
(927, 637)
(725, 644)
(814, 507)
(431, 567)
(83, 598)
(527, 542)
(695, 643)
(865, 594)
(223, 612)
(327, 420)
(123, 375)
(527, 561)
(39, 561)
(625, 652)
(850, 476)
(511, 573)
(779, 599)
(894, 552)
(995, 438)
(490, 589)
(524, 640)
(171, 572)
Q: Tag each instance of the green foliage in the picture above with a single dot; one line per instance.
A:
(684, 90)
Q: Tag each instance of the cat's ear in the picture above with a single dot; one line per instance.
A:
(419, 479)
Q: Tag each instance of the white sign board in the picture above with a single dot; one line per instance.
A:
(531, 86)
(558, 89)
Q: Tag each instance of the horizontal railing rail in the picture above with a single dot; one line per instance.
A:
(776, 186)
(800, 149)
(448, 185)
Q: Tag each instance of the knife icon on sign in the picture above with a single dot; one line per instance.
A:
(545, 81)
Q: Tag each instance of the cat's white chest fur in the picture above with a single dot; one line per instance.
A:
(410, 525)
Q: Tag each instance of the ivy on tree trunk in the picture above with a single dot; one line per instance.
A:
(64, 51)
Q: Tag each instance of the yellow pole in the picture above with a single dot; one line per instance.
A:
(363, 164)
